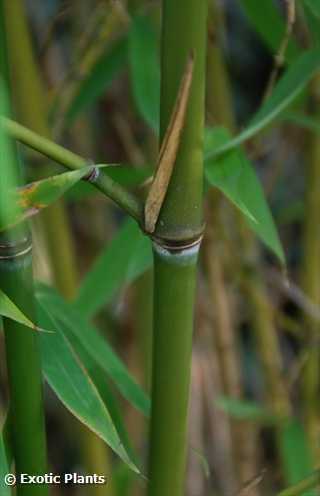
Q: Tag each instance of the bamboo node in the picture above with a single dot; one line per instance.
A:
(181, 252)
(93, 175)
(11, 251)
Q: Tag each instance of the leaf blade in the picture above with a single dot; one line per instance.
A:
(113, 268)
(285, 92)
(234, 175)
(71, 383)
(96, 346)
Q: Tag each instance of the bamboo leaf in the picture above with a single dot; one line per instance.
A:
(314, 7)
(34, 197)
(234, 175)
(99, 79)
(127, 256)
(168, 152)
(268, 21)
(73, 326)
(101, 382)
(145, 70)
(286, 91)
(295, 453)
(9, 310)
(245, 410)
(312, 13)
(55, 305)
(71, 383)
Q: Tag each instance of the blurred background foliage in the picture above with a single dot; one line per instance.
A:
(92, 83)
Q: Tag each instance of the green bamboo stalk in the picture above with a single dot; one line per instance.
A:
(183, 31)
(31, 107)
(311, 281)
(23, 359)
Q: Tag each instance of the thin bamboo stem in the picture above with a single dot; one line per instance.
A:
(311, 281)
(23, 358)
(183, 31)
(123, 198)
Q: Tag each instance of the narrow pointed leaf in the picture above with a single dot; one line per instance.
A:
(70, 381)
(285, 92)
(11, 311)
(95, 345)
(168, 152)
(128, 255)
(145, 70)
(312, 13)
(234, 175)
(56, 306)
(107, 393)
(38, 195)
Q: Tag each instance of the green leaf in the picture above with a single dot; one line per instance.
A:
(234, 175)
(245, 410)
(99, 79)
(145, 70)
(74, 326)
(125, 258)
(56, 306)
(312, 13)
(269, 23)
(314, 6)
(295, 453)
(11, 311)
(286, 91)
(4, 466)
(38, 195)
(70, 381)
(101, 382)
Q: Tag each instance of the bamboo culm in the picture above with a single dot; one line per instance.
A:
(180, 220)
(22, 354)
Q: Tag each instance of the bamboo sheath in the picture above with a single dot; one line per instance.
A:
(23, 359)
(183, 32)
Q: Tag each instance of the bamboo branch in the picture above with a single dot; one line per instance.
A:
(123, 198)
